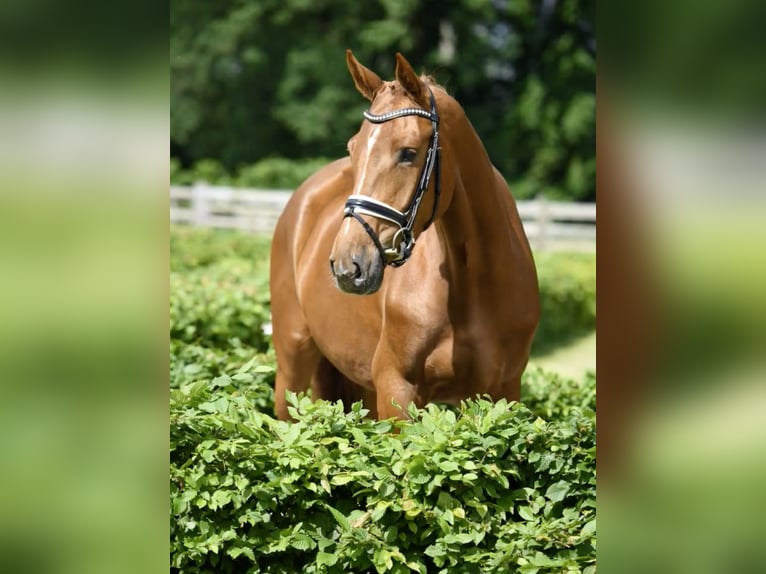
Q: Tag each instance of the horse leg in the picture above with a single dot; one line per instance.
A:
(297, 361)
(394, 395)
(510, 387)
(370, 400)
(330, 384)
(353, 393)
(324, 382)
(511, 390)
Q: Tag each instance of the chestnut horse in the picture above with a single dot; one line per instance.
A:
(455, 314)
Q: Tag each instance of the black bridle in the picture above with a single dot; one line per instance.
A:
(365, 205)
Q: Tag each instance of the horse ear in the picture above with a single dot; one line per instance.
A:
(409, 80)
(365, 80)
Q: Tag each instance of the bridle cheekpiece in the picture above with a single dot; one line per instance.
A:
(358, 205)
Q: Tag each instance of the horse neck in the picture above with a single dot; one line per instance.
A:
(477, 218)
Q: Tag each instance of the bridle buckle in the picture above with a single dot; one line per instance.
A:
(397, 255)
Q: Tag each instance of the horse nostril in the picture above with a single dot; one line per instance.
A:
(332, 265)
(357, 271)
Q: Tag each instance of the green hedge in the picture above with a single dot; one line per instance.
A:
(219, 292)
(567, 298)
(216, 305)
(546, 394)
(481, 488)
(486, 488)
(194, 247)
(191, 362)
(279, 173)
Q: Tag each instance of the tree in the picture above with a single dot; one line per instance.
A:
(268, 78)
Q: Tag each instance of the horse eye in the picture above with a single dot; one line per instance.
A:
(407, 155)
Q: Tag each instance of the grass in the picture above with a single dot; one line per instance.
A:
(571, 360)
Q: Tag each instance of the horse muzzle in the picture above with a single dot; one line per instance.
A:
(357, 274)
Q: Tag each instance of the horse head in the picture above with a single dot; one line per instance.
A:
(396, 166)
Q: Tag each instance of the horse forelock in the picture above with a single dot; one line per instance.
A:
(394, 88)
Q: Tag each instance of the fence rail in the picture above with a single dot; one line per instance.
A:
(550, 225)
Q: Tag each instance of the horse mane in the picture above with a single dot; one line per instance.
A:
(431, 82)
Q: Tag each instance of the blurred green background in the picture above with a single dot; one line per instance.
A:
(260, 88)
(682, 361)
(84, 291)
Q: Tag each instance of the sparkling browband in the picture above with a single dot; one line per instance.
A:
(379, 119)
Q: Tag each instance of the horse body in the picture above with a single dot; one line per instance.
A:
(456, 320)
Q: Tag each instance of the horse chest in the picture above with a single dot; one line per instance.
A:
(450, 333)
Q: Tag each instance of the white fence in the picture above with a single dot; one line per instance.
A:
(550, 225)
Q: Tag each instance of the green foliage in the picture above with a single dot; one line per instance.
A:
(190, 363)
(279, 173)
(214, 305)
(179, 176)
(486, 488)
(553, 397)
(269, 173)
(194, 247)
(480, 488)
(210, 170)
(219, 293)
(567, 297)
(252, 80)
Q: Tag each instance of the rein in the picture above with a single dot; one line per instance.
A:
(358, 205)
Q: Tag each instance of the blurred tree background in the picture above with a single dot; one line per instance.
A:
(260, 93)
